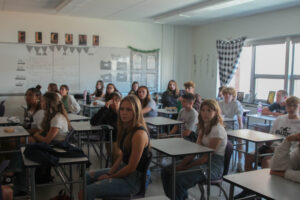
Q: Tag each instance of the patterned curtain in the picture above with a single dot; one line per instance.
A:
(228, 56)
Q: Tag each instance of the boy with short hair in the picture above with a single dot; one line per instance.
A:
(189, 116)
(277, 108)
(190, 88)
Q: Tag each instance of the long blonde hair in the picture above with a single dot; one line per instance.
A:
(176, 92)
(53, 106)
(129, 128)
(213, 105)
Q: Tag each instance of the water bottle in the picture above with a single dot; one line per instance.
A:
(88, 99)
(84, 95)
(259, 108)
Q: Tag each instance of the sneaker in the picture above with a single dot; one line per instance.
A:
(243, 194)
(240, 167)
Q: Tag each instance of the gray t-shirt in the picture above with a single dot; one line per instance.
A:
(153, 112)
(190, 119)
(232, 110)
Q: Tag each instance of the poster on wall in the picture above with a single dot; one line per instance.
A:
(82, 40)
(21, 36)
(38, 37)
(69, 38)
(95, 40)
(54, 38)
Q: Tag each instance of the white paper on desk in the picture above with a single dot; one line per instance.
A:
(151, 62)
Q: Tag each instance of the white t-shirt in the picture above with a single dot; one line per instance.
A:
(190, 119)
(285, 127)
(232, 109)
(217, 131)
(38, 118)
(59, 121)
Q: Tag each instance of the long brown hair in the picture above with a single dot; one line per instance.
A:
(129, 128)
(145, 101)
(108, 96)
(53, 87)
(38, 94)
(53, 106)
(213, 105)
(176, 92)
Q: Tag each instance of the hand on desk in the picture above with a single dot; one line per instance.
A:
(277, 173)
(104, 176)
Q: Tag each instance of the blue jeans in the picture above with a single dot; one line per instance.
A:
(188, 180)
(126, 186)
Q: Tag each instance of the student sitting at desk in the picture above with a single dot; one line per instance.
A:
(277, 108)
(110, 88)
(98, 93)
(286, 163)
(231, 108)
(189, 116)
(284, 125)
(33, 114)
(55, 125)
(148, 104)
(171, 95)
(190, 88)
(211, 134)
(220, 96)
(109, 115)
(68, 100)
(124, 177)
(134, 88)
(52, 87)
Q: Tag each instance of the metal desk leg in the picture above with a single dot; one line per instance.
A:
(231, 191)
(256, 156)
(83, 180)
(32, 183)
(173, 178)
(157, 129)
(71, 179)
(248, 118)
(208, 175)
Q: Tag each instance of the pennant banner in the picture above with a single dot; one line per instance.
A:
(72, 49)
(86, 49)
(51, 48)
(37, 49)
(78, 49)
(58, 47)
(65, 48)
(29, 48)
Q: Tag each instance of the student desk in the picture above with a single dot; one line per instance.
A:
(67, 179)
(160, 122)
(74, 117)
(17, 134)
(256, 137)
(265, 185)
(85, 128)
(230, 121)
(91, 108)
(267, 118)
(178, 147)
(168, 113)
(5, 122)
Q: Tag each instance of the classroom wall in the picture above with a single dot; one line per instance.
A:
(175, 43)
(278, 23)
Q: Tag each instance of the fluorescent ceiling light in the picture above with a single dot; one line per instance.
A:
(183, 15)
(63, 4)
(227, 4)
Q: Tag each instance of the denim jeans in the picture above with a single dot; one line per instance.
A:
(129, 185)
(188, 180)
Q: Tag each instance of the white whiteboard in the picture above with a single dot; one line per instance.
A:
(24, 66)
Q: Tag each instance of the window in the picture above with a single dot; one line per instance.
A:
(269, 65)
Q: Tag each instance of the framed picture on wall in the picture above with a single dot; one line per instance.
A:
(21, 36)
(54, 38)
(240, 96)
(271, 97)
(95, 40)
(69, 38)
(82, 39)
(38, 37)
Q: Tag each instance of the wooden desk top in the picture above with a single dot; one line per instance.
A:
(74, 117)
(178, 147)
(266, 185)
(19, 131)
(254, 136)
(62, 161)
(161, 121)
(86, 126)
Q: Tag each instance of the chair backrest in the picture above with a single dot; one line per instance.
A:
(227, 157)
(144, 177)
(2, 108)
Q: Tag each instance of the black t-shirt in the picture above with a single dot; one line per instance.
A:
(276, 107)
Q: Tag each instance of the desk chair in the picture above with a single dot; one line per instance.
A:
(141, 193)
(2, 108)
(218, 182)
